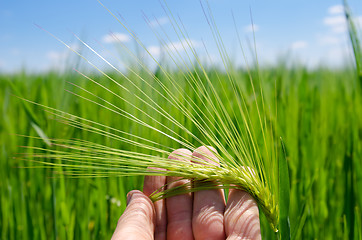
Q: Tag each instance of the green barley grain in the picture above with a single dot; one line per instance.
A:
(243, 160)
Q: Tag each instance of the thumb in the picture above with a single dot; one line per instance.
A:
(137, 221)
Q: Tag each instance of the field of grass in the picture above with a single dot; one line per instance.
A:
(319, 119)
(243, 112)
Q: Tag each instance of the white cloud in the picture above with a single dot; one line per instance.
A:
(298, 45)
(329, 40)
(178, 46)
(155, 51)
(358, 21)
(116, 37)
(75, 47)
(334, 20)
(59, 59)
(336, 23)
(336, 26)
(212, 59)
(336, 9)
(251, 28)
(56, 57)
(159, 22)
(182, 45)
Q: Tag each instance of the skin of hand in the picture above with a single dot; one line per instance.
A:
(200, 215)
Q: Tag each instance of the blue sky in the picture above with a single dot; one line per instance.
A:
(311, 32)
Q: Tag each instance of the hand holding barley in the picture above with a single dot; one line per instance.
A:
(199, 215)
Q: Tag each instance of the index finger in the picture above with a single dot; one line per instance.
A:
(137, 221)
(150, 185)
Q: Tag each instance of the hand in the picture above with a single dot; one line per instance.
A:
(201, 215)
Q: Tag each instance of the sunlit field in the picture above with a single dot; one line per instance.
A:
(255, 116)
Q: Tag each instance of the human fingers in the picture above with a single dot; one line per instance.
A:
(137, 221)
(241, 216)
(209, 205)
(150, 185)
(179, 208)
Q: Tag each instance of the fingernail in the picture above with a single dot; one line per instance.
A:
(129, 197)
(212, 149)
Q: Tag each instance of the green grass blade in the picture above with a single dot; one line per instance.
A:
(284, 195)
(350, 198)
(31, 116)
(355, 41)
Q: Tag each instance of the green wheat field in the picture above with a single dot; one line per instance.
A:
(316, 114)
